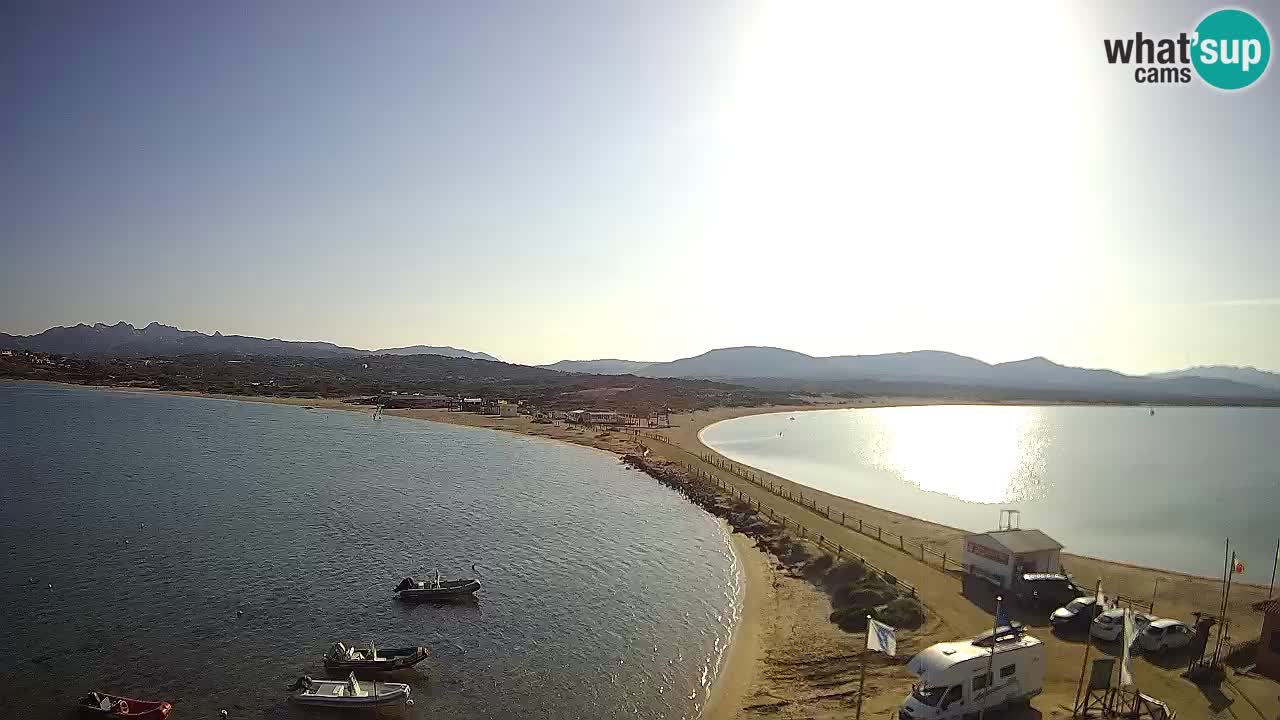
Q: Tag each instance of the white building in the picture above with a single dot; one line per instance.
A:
(1000, 555)
(507, 409)
(594, 417)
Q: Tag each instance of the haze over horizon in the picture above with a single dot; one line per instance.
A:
(640, 181)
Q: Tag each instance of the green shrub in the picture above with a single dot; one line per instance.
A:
(818, 567)
(845, 573)
(904, 612)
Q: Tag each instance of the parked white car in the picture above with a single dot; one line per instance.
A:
(1165, 634)
(1109, 626)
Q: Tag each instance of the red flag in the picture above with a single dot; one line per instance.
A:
(1239, 568)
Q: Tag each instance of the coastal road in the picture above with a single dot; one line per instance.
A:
(962, 617)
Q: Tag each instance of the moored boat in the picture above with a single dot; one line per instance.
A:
(346, 693)
(341, 657)
(437, 589)
(104, 705)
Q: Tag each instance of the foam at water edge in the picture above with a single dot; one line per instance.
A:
(734, 592)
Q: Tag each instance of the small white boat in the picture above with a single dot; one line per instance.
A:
(346, 693)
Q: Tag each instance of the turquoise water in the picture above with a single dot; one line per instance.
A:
(156, 518)
(1162, 490)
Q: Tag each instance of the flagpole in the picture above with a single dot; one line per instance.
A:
(1232, 576)
(1084, 664)
(1274, 562)
(1222, 606)
(862, 675)
(991, 659)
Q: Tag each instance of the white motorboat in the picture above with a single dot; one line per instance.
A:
(347, 693)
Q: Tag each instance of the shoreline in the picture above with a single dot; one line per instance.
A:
(776, 607)
(943, 526)
(733, 679)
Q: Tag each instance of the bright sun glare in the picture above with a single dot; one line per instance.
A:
(856, 139)
(979, 454)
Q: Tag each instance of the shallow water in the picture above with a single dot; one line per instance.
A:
(1162, 490)
(157, 518)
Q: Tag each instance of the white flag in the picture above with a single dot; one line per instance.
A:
(1126, 671)
(881, 638)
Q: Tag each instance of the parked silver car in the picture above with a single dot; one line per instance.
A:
(1165, 634)
(1110, 624)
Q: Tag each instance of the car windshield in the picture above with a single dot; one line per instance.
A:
(1076, 605)
(1152, 630)
(928, 696)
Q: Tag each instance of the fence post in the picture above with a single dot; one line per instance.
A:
(900, 543)
(859, 524)
(841, 518)
(879, 534)
(921, 552)
(944, 561)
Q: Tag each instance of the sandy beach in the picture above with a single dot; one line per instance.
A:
(787, 660)
(790, 608)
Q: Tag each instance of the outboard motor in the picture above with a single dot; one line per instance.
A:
(302, 683)
(405, 584)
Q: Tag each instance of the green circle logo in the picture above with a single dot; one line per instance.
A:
(1232, 49)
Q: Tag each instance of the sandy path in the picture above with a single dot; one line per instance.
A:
(959, 617)
(788, 661)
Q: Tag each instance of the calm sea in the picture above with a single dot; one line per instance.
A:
(156, 519)
(1163, 490)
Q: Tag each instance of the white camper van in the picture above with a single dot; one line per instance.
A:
(954, 682)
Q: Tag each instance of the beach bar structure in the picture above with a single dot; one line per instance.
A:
(1268, 657)
(594, 417)
(1001, 555)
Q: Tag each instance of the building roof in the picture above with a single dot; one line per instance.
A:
(1024, 541)
(1268, 607)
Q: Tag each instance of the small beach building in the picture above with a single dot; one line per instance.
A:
(1000, 555)
(1268, 658)
(594, 417)
(507, 409)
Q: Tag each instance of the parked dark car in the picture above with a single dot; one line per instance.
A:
(1075, 615)
(1044, 590)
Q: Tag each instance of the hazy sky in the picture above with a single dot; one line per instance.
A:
(640, 179)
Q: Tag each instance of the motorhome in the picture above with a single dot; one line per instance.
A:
(957, 680)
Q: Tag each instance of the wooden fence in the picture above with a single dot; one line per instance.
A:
(918, 550)
(836, 549)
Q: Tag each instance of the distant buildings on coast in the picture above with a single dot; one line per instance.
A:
(514, 408)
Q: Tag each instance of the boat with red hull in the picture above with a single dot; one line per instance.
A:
(103, 705)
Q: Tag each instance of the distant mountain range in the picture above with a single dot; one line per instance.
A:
(599, 367)
(444, 350)
(924, 369)
(920, 372)
(1247, 375)
(125, 340)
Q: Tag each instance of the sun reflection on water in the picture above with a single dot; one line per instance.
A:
(978, 454)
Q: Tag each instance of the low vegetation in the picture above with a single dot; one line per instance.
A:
(235, 374)
(856, 591)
